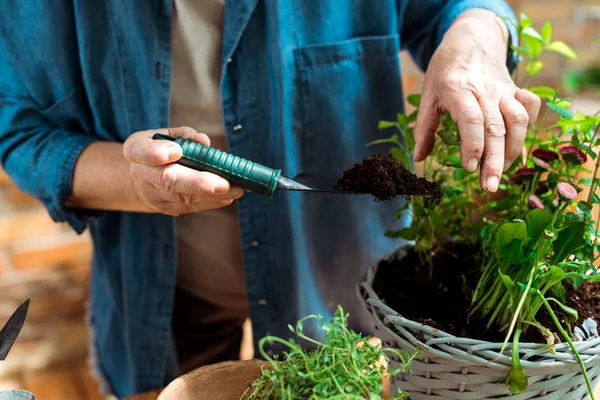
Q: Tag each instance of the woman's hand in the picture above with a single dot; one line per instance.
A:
(467, 77)
(170, 188)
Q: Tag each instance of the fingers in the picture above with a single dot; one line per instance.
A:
(176, 204)
(531, 102)
(142, 149)
(180, 179)
(466, 112)
(516, 120)
(494, 154)
(428, 119)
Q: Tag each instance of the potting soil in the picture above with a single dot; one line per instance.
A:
(384, 177)
(444, 301)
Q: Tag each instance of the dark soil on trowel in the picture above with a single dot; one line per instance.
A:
(384, 177)
(443, 302)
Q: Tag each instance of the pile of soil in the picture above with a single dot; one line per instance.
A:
(384, 177)
(443, 302)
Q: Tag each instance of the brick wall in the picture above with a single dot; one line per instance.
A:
(49, 264)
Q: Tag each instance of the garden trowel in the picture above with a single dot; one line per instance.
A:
(246, 174)
(8, 334)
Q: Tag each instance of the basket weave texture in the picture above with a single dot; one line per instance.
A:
(469, 369)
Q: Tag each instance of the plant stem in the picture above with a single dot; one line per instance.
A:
(568, 339)
(592, 186)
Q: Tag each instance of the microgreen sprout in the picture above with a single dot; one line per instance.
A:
(344, 366)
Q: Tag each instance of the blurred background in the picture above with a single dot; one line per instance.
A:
(49, 264)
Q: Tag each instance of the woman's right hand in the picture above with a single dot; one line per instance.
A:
(169, 188)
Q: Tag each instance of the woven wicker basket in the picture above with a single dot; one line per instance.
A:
(468, 369)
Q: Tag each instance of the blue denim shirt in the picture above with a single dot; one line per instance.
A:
(306, 80)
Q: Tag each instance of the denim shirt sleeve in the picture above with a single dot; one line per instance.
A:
(426, 22)
(40, 157)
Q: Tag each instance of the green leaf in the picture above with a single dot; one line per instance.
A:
(588, 150)
(509, 242)
(393, 139)
(547, 31)
(410, 139)
(409, 233)
(412, 117)
(533, 67)
(537, 221)
(402, 156)
(423, 244)
(448, 137)
(552, 180)
(459, 174)
(414, 100)
(595, 199)
(524, 21)
(451, 191)
(533, 45)
(585, 181)
(571, 313)
(562, 48)
(386, 124)
(531, 32)
(510, 285)
(544, 92)
(563, 103)
(563, 112)
(568, 240)
(584, 209)
(402, 120)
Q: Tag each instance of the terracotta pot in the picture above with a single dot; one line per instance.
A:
(223, 381)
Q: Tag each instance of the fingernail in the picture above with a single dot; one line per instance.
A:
(507, 164)
(173, 152)
(492, 183)
(236, 192)
(416, 153)
(472, 164)
(221, 187)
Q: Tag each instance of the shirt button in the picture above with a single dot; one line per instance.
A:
(229, 60)
(262, 302)
(237, 128)
(269, 352)
(254, 243)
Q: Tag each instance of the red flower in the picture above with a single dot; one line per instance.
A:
(566, 192)
(523, 174)
(573, 155)
(542, 188)
(535, 202)
(546, 155)
(541, 165)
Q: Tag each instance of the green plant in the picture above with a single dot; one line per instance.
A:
(344, 366)
(539, 238)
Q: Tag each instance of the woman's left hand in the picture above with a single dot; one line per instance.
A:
(468, 77)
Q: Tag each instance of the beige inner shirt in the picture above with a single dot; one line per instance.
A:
(210, 263)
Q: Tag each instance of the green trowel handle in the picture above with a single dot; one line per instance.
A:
(238, 171)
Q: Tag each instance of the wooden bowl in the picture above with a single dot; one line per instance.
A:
(224, 381)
